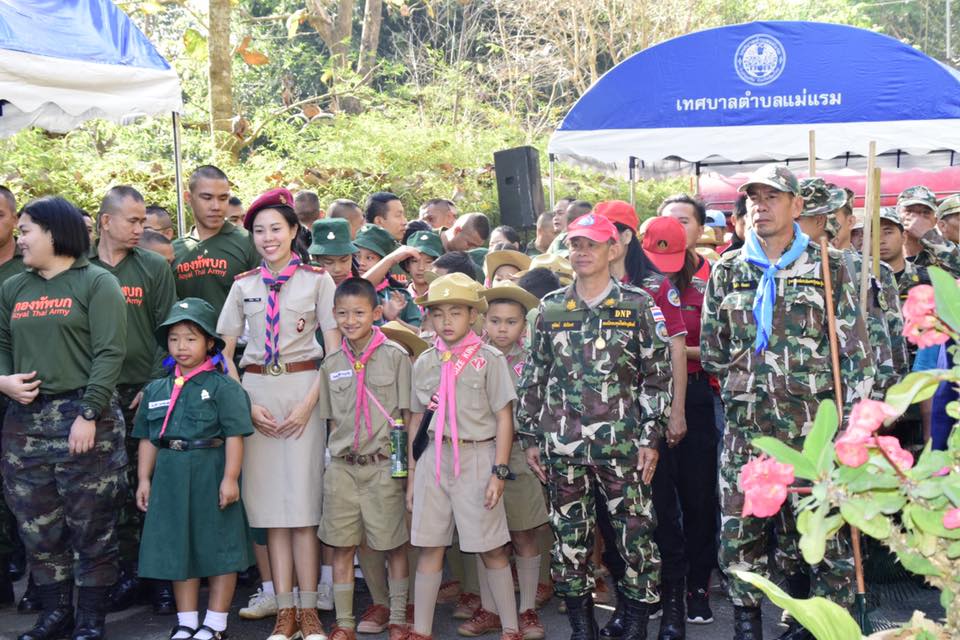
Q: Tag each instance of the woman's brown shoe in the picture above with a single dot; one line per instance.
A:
(310, 625)
(286, 627)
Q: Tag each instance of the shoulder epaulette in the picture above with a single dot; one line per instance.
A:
(312, 267)
(631, 288)
(728, 256)
(240, 276)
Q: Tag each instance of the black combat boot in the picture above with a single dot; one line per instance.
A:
(636, 615)
(580, 614)
(56, 618)
(795, 631)
(127, 592)
(91, 612)
(30, 602)
(163, 601)
(7, 599)
(614, 627)
(673, 625)
(747, 624)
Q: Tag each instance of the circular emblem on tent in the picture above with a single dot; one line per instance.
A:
(760, 59)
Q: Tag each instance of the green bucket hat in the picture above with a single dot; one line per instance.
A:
(819, 199)
(950, 206)
(200, 312)
(773, 175)
(376, 239)
(479, 256)
(427, 242)
(331, 237)
(917, 195)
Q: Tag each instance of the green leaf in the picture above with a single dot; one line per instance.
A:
(930, 462)
(818, 445)
(867, 478)
(854, 512)
(813, 538)
(946, 599)
(951, 489)
(947, 294)
(802, 468)
(888, 502)
(824, 619)
(953, 409)
(916, 387)
(916, 563)
(953, 551)
(195, 44)
(931, 522)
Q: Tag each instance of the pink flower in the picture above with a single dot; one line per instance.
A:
(764, 483)
(951, 519)
(852, 451)
(765, 501)
(920, 303)
(868, 415)
(891, 446)
(922, 333)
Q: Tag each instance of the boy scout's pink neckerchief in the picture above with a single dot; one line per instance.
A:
(272, 344)
(447, 401)
(383, 285)
(178, 384)
(360, 367)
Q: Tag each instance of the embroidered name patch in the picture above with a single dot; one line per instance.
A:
(618, 324)
(742, 285)
(156, 404)
(338, 375)
(566, 325)
(252, 299)
(805, 282)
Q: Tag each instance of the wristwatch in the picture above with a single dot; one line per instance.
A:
(502, 472)
(88, 414)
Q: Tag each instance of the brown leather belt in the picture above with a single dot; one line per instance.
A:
(363, 460)
(448, 440)
(278, 369)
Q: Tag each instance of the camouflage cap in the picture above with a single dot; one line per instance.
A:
(832, 226)
(777, 176)
(819, 199)
(891, 214)
(918, 195)
(857, 224)
(949, 207)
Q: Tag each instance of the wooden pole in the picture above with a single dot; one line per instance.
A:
(812, 163)
(831, 323)
(875, 214)
(868, 231)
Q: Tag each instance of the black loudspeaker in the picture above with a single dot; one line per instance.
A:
(519, 189)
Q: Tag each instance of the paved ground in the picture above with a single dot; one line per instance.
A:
(139, 623)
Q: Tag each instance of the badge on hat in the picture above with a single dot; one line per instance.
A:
(588, 220)
(331, 236)
(184, 305)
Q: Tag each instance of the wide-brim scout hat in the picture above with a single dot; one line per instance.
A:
(665, 244)
(454, 288)
(918, 194)
(708, 238)
(950, 206)
(618, 211)
(273, 198)
(375, 239)
(890, 214)
(396, 331)
(496, 259)
(200, 312)
(512, 292)
(331, 237)
(819, 199)
(773, 175)
(559, 265)
(427, 242)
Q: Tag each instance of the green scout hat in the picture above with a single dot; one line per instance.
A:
(478, 256)
(918, 195)
(331, 237)
(376, 239)
(777, 176)
(950, 206)
(819, 199)
(510, 291)
(200, 312)
(427, 242)
(454, 288)
(891, 214)
(414, 344)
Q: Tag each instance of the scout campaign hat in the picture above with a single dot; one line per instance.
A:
(891, 214)
(273, 198)
(427, 242)
(414, 344)
(819, 199)
(665, 244)
(593, 227)
(200, 312)
(559, 265)
(777, 176)
(707, 238)
(618, 211)
(331, 237)
(376, 239)
(510, 291)
(454, 288)
(950, 206)
(497, 259)
(917, 195)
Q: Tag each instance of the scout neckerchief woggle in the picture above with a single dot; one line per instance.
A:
(272, 343)
(767, 289)
(363, 394)
(447, 400)
(178, 383)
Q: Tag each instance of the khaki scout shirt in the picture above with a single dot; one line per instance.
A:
(306, 302)
(484, 386)
(387, 378)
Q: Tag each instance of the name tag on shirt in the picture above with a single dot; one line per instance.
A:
(807, 282)
(743, 285)
(565, 325)
(252, 299)
(339, 375)
(156, 404)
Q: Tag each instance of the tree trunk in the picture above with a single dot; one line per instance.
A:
(221, 81)
(370, 37)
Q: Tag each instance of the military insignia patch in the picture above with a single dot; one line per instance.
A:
(571, 305)
(673, 296)
(657, 314)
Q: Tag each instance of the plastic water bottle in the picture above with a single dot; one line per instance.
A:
(398, 450)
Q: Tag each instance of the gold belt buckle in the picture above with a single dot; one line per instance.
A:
(275, 369)
(178, 445)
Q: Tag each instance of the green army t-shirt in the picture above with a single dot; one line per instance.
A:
(206, 269)
(12, 267)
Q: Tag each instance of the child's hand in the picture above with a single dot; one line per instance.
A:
(229, 492)
(533, 461)
(296, 422)
(264, 421)
(393, 307)
(494, 491)
(403, 252)
(410, 491)
(143, 495)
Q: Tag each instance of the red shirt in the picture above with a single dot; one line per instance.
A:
(704, 271)
(666, 296)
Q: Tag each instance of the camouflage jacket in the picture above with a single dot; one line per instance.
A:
(911, 276)
(796, 364)
(938, 252)
(596, 386)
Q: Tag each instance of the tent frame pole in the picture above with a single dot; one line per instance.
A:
(178, 176)
(551, 160)
(633, 181)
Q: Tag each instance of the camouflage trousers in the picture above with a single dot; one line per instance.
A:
(745, 542)
(573, 489)
(65, 504)
(8, 522)
(129, 518)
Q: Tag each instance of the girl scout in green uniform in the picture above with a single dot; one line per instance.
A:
(62, 328)
(192, 424)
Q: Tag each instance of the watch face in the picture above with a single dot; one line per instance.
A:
(88, 414)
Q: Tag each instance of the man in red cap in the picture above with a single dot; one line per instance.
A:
(583, 427)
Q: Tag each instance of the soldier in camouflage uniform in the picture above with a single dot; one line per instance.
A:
(583, 416)
(925, 246)
(774, 369)
(948, 218)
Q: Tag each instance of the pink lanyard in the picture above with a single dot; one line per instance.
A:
(272, 343)
(447, 403)
(360, 366)
(178, 384)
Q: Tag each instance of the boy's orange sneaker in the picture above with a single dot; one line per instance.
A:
(449, 592)
(413, 635)
(310, 626)
(530, 626)
(374, 619)
(339, 633)
(544, 593)
(398, 632)
(482, 623)
(467, 606)
(286, 626)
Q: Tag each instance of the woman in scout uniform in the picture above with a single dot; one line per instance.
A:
(465, 464)
(283, 303)
(192, 425)
(376, 244)
(62, 328)
(332, 248)
(501, 266)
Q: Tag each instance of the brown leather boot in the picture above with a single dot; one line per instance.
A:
(287, 626)
(310, 625)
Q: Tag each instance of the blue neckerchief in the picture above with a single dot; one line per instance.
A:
(767, 289)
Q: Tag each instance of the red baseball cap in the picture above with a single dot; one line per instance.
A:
(665, 243)
(618, 211)
(592, 226)
(273, 198)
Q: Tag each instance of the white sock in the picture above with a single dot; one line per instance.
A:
(190, 619)
(268, 588)
(326, 574)
(216, 621)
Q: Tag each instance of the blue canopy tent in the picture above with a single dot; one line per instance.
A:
(752, 92)
(63, 62)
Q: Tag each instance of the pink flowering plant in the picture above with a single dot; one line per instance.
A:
(864, 478)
